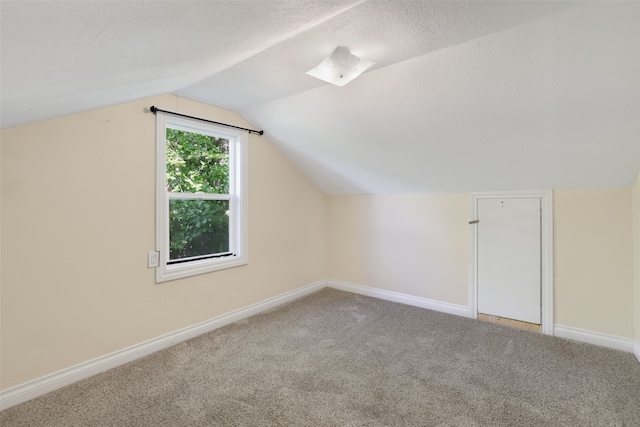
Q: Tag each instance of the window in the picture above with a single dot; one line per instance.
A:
(201, 220)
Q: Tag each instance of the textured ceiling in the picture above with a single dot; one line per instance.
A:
(61, 57)
(464, 96)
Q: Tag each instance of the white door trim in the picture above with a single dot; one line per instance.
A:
(546, 246)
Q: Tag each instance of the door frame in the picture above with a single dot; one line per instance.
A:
(546, 249)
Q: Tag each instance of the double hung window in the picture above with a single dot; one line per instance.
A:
(201, 197)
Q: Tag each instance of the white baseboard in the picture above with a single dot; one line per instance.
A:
(32, 389)
(445, 307)
(597, 338)
(40, 386)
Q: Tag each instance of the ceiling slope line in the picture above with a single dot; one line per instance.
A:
(281, 39)
(378, 67)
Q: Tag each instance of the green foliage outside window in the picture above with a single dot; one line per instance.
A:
(197, 163)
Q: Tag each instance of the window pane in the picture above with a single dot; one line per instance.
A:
(198, 227)
(197, 163)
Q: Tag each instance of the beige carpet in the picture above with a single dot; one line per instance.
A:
(339, 359)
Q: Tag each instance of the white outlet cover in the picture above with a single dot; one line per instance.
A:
(153, 259)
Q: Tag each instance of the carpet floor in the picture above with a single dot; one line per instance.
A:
(339, 359)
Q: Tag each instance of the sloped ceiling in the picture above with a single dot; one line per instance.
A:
(464, 96)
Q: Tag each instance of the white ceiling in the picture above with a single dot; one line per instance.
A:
(464, 96)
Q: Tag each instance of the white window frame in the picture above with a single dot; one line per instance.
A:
(238, 218)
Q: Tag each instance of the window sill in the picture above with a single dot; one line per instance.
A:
(179, 271)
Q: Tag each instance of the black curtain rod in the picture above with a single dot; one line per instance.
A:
(155, 110)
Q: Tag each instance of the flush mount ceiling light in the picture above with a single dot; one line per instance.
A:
(340, 67)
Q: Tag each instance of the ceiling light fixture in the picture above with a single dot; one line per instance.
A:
(340, 67)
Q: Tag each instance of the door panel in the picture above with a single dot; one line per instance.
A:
(509, 258)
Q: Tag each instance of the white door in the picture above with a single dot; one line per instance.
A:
(509, 258)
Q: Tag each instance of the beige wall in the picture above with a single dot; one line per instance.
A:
(418, 245)
(413, 244)
(636, 255)
(593, 260)
(78, 220)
